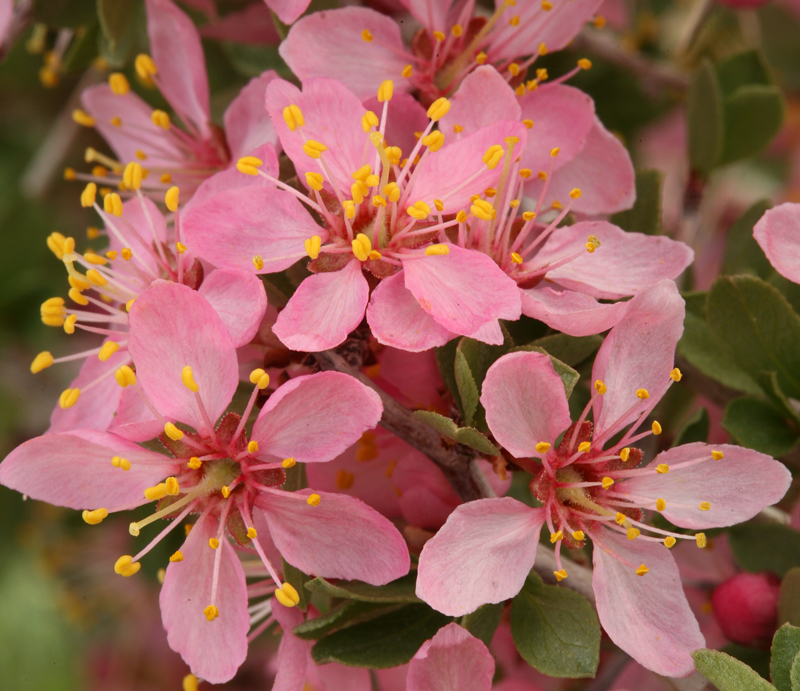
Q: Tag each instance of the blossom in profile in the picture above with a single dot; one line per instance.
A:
(226, 482)
(591, 488)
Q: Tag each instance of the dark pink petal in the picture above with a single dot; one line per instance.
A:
(432, 14)
(293, 659)
(482, 98)
(647, 616)
(134, 420)
(172, 326)
(638, 353)
(178, 54)
(314, 418)
(453, 660)
(404, 116)
(738, 486)
(336, 677)
(341, 537)
(73, 469)
(778, 234)
(413, 378)
(622, 265)
(232, 227)
(213, 649)
(396, 318)
(340, 51)
(573, 313)
(482, 554)
(525, 402)
(445, 287)
(324, 310)
(253, 24)
(239, 299)
(247, 123)
(288, 10)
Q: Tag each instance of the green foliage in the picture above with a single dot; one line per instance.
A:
(789, 600)
(759, 425)
(727, 673)
(401, 590)
(483, 622)
(336, 618)
(695, 429)
(468, 436)
(785, 649)
(297, 579)
(742, 252)
(645, 216)
(571, 350)
(765, 547)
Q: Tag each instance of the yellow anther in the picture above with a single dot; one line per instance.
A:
(119, 83)
(213, 543)
(60, 245)
(126, 255)
(419, 210)
(367, 35)
(644, 394)
(514, 21)
(675, 375)
(145, 67)
(282, 597)
(624, 454)
(600, 387)
(541, 175)
(190, 682)
(480, 58)
(556, 537)
(68, 398)
(251, 533)
(439, 36)
(660, 504)
(70, 174)
(70, 321)
(457, 30)
(75, 296)
(578, 536)
(173, 488)
(180, 247)
(88, 195)
(490, 192)
(173, 432)
(83, 118)
(187, 377)
(187, 528)
(656, 427)
(385, 91)
(313, 500)
(662, 468)
(96, 278)
(166, 178)
(95, 517)
(312, 246)
(260, 378)
(246, 169)
(458, 128)
(288, 463)
(705, 506)
(112, 204)
(377, 139)
(377, 200)
(542, 447)
(315, 181)
(252, 446)
(42, 361)
(172, 197)
(116, 121)
(122, 463)
(107, 350)
(125, 376)
(620, 518)
(393, 155)
(437, 251)
(599, 21)
(516, 258)
(482, 209)
(575, 194)
(669, 542)
(362, 246)
(541, 75)
(434, 141)
(642, 570)
(584, 446)
(528, 215)
(211, 612)
(438, 109)
(194, 463)
(358, 190)
(392, 192)
(717, 455)
(701, 540)
(493, 155)
(160, 119)
(607, 482)
(514, 69)
(585, 64)
(314, 149)
(95, 259)
(129, 304)
(461, 216)
(293, 117)
(408, 70)
(560, 575)
(125, 566)
(176, 557)
(258, 262)
(368, 121)
(633, 533)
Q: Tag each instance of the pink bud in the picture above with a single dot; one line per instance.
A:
(746, 608)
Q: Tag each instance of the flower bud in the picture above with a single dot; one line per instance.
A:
(746, 608)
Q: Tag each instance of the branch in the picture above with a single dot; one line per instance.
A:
(457, 462)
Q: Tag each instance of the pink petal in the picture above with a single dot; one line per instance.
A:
(6, 15)
(432, 14)
(339, 538)
(341, 52)
(324, 310)
(233, 226)
(448, 168)
(73, 469)
(413, 378)
(739, 486)
(336, 677)
(178, 54)
(253, 24)
(647, 616)
(213, 649)
(573, 313)
(490, 333)
(624, 264)
(293, 653)
(482, 554)
(247, 123)
(396, 318)
(404, 116)
(445, 288)
(148, 222)
(134, 420)
(314, 418)
(239, 299)
(453, 660)
(778, 234)
(288, 10)
(172, 326)
(638, 353)
(525, 402)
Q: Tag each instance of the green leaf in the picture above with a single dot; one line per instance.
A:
(765, 547)
(742, 252)
(645, 216)
(769, 383)
(442, 424)
(468, 436)
(401, 590)
(757, 660)
(757, 424)
(314, 629)
(252, 60)
(467, 388)
(727, 673)
(483, 622)
(388, 640)
(794, 675)
(571, 350)
(569, 376)
(705, 119)
(64, 13)
(789, 600)
(297, 579)
(445, 357)
(753, 116)
(83, 49)
(785, 646)
(758, 328)
(695, 429)
(115, 18)
(555, 630)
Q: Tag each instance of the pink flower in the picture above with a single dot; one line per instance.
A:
(591, 489)
(361, 47)
(777, 233)
(186, 372)
(288, 10)
(746, 608)
(341, 152)
(173, 155)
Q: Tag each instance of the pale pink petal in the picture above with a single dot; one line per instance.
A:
(253, 24)
(341, 537)
(647, 616)
(424, 507)
(134, 420)
(233, 226)
(482, 554)
(341, 52)
(404, 116)
(172, 326)
(573, 313)
(214, 650)
(442, 172)
(397, 319)
(239, 299)
(638, 353)
(324, 310)
(778, 234)
(445, 287)
(432, 14)
(314, 418)
(525, 402)
(293, 652)
(453, 660)
(413, 378)
(332, 116)
(738, 486)
(288, 10)
(602, 171)
(148, 222)
(482, 98)
(178, 54)
(247, 123)
(336, 677)
(6, 14)
(622, 265)
(490, 333)
(73, 469)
